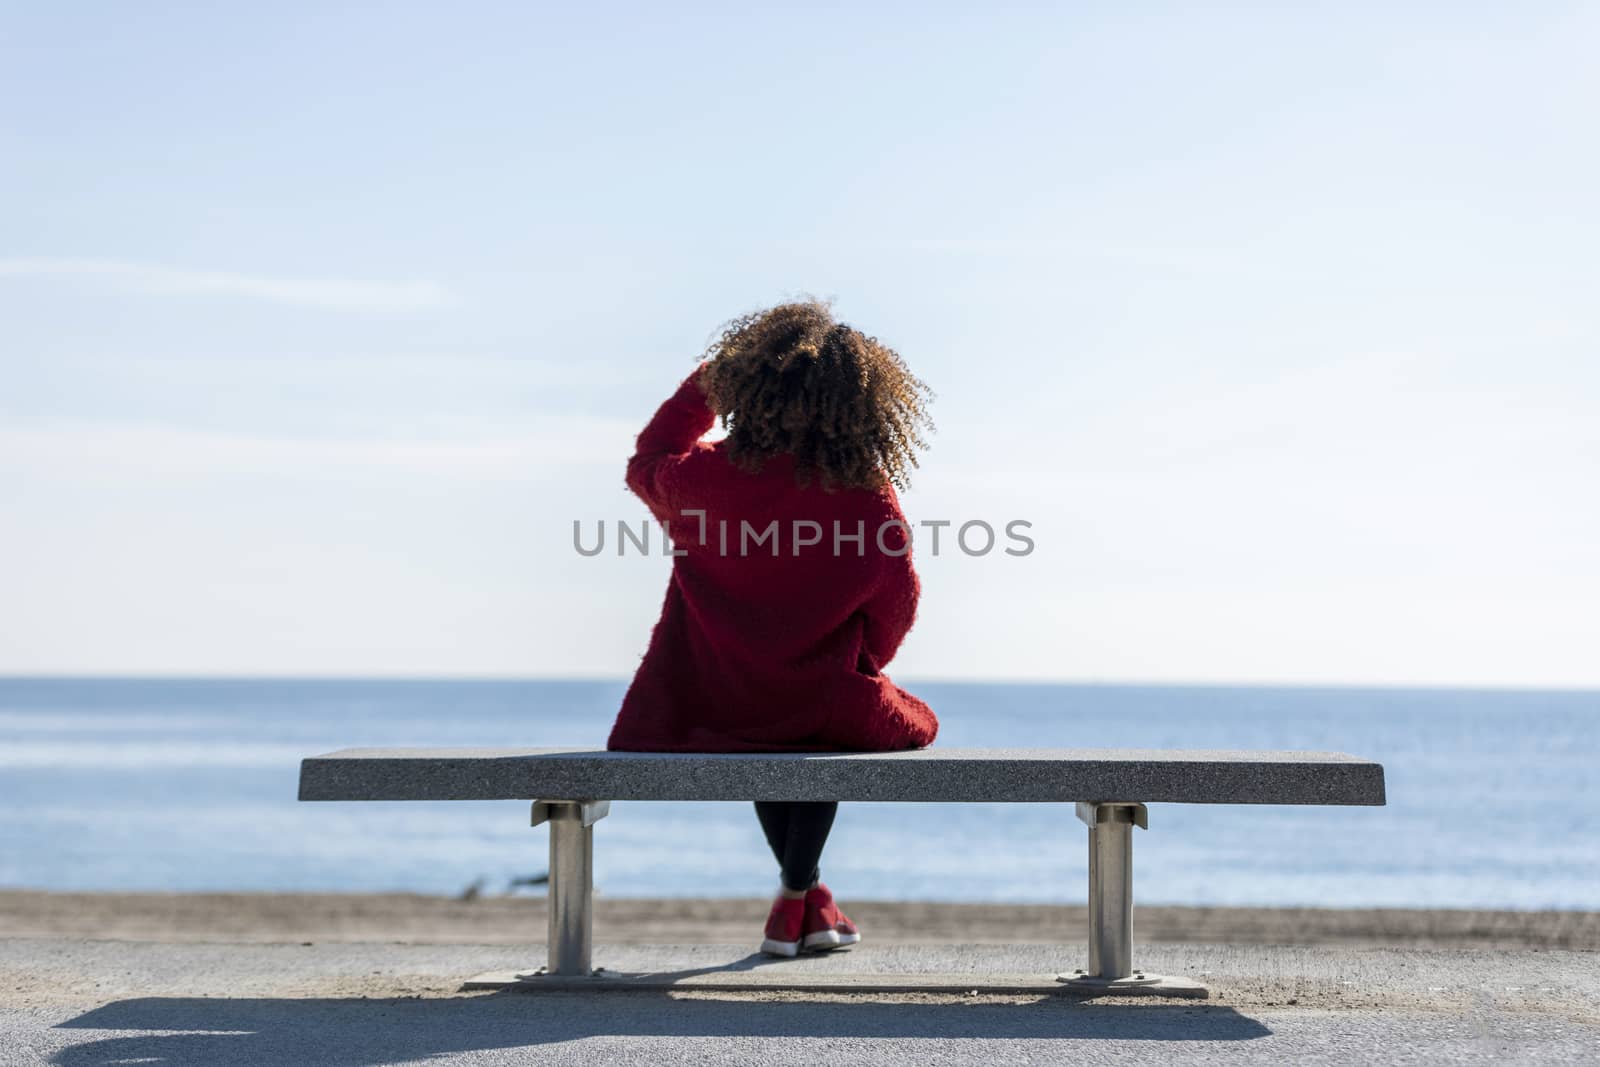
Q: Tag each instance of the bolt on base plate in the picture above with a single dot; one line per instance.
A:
(1137, 984)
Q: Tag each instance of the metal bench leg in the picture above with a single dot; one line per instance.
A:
(1111, 968)
(1111, 889)
(571, 933)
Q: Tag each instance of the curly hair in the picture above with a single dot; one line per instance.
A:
(791, 379)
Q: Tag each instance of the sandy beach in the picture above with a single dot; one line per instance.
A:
(257, 918)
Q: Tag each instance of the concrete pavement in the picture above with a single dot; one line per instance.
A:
(102, 1002)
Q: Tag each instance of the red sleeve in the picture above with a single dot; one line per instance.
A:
(891, 607)
(666, 442)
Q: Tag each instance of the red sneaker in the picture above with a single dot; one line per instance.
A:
(783, 927)
(826, 927)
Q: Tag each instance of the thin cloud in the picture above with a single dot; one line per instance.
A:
(342, 293)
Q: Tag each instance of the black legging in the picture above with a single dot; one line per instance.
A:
(797, 830)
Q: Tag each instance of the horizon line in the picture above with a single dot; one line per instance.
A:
(596, 679)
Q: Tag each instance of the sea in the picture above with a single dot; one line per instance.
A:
(189, 784)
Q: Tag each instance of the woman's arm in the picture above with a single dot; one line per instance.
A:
(666, 442)
(891, 607)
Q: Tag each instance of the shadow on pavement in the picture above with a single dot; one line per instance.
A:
(360, 1031)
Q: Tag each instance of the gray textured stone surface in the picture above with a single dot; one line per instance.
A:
(937, 774)
(95, 1003)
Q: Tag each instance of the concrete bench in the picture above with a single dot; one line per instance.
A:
(571, 789)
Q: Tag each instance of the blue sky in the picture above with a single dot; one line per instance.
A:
(319, 324)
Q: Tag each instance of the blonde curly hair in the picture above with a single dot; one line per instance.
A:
(791, 379)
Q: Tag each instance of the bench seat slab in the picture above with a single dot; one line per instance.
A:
(949, 775)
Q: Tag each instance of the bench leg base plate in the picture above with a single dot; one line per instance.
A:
(1138, 984)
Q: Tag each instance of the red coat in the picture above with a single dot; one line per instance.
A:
(761, 652)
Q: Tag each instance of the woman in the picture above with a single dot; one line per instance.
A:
(792, 585)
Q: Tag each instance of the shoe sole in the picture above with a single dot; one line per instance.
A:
(828, 940)
(786, 949)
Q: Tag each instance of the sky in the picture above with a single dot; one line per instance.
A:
(320, 325)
